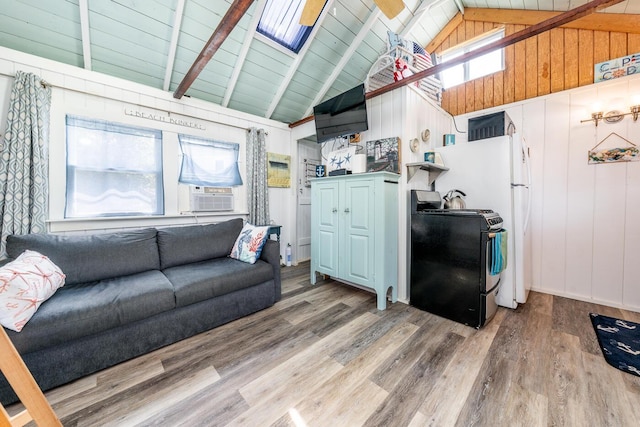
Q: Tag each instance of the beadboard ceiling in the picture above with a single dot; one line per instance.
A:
(155, 42)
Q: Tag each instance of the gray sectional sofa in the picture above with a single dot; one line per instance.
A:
(128, 293)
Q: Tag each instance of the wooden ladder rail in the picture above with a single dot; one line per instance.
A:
(22, 382)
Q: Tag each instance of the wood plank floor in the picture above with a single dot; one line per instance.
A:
(324, 356)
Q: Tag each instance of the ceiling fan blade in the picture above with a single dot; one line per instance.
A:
(390, 8)
(311, 11)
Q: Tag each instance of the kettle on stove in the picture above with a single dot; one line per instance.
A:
(452, 200)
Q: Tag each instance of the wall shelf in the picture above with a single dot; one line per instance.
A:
(433, 169)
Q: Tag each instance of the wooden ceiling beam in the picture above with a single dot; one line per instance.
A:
(229, 21)
(533, 30)
(614, 22)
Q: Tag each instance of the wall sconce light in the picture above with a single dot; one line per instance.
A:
(595, 117)
(613, 116)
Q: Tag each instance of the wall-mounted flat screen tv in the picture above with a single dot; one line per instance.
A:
(345, 114)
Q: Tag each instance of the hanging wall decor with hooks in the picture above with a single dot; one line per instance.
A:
(630, 153)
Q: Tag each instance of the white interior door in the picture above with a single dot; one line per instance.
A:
(309, 155)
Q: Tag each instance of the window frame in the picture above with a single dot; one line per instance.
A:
(303, 32)
(157, 171)
(233, 179)
(469, 46)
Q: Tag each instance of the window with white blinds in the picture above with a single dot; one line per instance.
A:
(112, 169)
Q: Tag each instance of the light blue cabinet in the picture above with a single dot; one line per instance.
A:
(354, 231)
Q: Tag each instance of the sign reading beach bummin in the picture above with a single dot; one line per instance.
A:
(616, 68)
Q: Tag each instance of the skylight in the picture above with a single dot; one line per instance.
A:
(280, 22)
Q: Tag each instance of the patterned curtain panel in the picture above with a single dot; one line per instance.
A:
(257, 190)
(24, 159)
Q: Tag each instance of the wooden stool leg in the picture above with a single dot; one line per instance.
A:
(22, 382)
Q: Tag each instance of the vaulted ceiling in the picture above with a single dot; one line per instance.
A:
(155, 42)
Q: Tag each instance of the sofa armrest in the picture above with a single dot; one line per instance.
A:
(271, 254)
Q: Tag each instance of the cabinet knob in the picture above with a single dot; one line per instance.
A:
(347, 210)
(334, 210)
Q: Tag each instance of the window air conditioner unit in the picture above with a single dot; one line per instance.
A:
(211, 199)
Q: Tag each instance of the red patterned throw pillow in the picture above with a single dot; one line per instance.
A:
(25, 283)
(249, 243)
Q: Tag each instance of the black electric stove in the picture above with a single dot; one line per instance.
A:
(450, 255)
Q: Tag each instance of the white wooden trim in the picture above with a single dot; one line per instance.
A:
(296, 63)
(72, 78)
(373, 18)
(275, 45)
(420, 12)
(171, 56)
(246, 44)
(83, 5)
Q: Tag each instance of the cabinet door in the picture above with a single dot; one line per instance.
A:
(325, 220)
(356, 263)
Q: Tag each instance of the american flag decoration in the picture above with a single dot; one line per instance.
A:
(421, 53)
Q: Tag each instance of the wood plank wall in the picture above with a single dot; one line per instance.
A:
(560, 59)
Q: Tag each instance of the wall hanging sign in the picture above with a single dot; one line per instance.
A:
(616, 68)
(164, 119)
(630, 153)
(341, 159)
(384, 155)
(278, 170)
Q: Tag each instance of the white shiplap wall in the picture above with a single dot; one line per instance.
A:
(405, 113)
(90, 94)
(586, 236)
(585, 229)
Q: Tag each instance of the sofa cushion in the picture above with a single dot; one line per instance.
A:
(193, 243)
(94, 257)
(24, 285)
(84, 309)
(207, 279)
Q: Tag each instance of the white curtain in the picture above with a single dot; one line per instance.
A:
(258, 193)
(24, 159)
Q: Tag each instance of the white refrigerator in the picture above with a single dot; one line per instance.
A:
(495, 173)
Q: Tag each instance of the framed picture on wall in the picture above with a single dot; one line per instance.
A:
(384, 155)
(278, 170)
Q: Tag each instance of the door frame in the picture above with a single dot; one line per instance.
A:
(299, 182)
